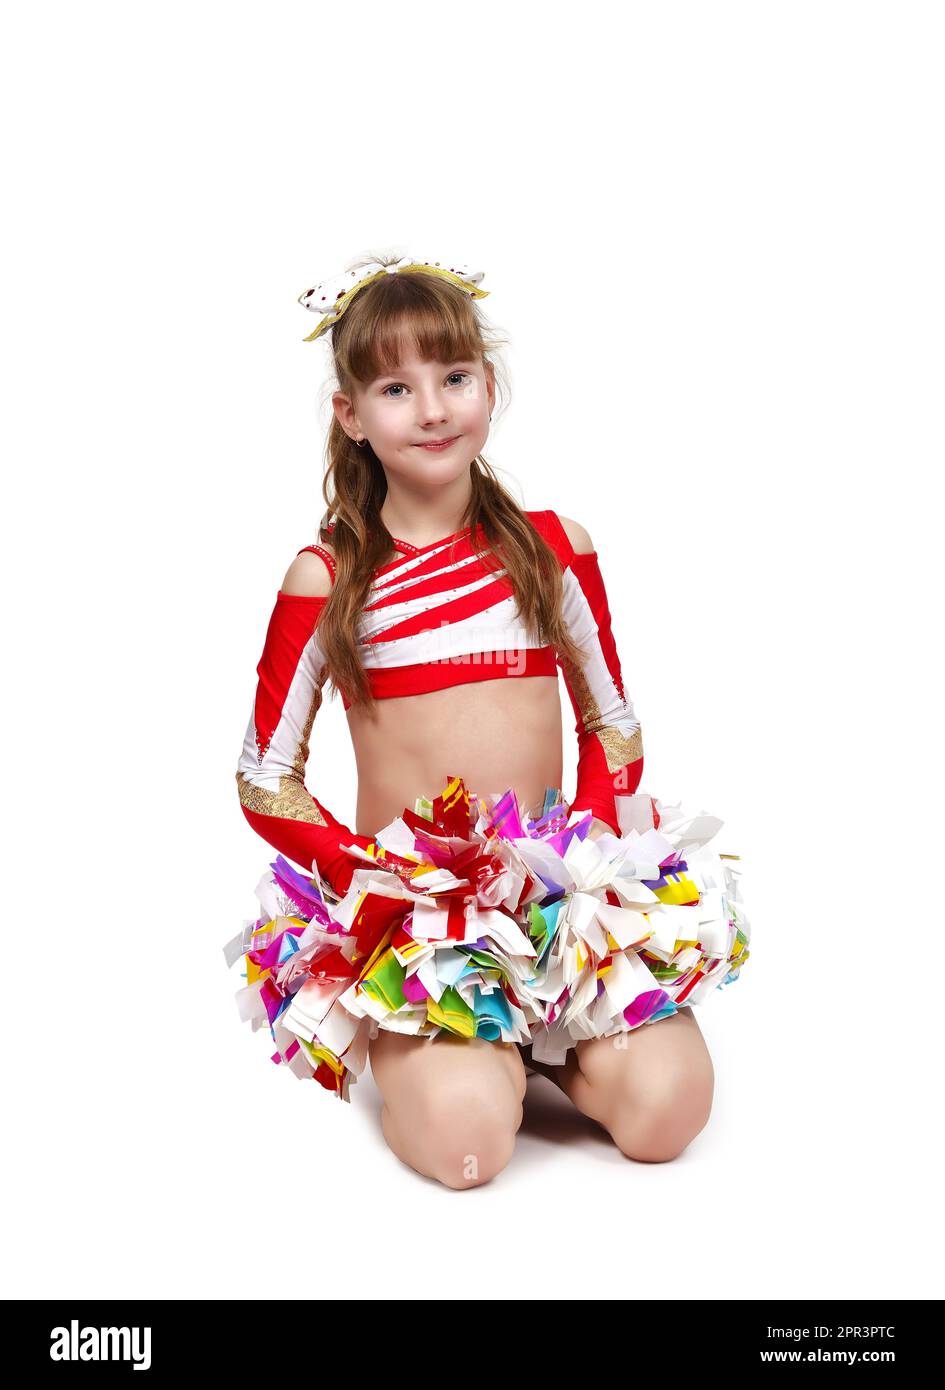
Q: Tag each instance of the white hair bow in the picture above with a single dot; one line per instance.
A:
(332, 297)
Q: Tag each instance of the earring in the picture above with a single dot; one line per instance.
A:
(360, 443)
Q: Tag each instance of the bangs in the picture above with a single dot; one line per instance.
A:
(404, 312)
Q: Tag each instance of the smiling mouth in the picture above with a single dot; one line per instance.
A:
(438, 443)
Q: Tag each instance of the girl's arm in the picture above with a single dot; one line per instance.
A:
(610, 740)
(271, 770)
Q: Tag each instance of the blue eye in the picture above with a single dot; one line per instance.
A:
(400, 384)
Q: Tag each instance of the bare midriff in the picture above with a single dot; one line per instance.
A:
(495, 734)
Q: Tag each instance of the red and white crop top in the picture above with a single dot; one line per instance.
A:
(435, 617)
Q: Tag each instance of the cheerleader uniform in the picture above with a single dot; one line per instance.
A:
(467, 914)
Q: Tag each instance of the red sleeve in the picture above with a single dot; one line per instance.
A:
(271, 770)
(610, 740)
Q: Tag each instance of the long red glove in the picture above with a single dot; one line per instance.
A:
(610, 740)
(271, 768)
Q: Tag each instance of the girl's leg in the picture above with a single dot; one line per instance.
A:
(452, 1106)
(651, 1088)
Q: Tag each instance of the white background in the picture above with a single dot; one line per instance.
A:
(713, 235)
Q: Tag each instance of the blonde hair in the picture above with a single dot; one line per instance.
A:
(445, 325)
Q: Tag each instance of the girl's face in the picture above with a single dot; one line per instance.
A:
(419, 403)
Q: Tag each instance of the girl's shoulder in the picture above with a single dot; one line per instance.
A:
(567, 538)
(580, 538)
(311, 573)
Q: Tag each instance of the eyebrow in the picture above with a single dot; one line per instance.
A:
(406, 371)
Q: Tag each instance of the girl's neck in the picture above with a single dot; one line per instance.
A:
(421, 523)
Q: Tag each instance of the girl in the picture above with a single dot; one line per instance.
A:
(441, 611)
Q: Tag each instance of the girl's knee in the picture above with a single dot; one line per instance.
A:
(465, 1164)
(656, 1121)
(468, 1137)
(459, 1134)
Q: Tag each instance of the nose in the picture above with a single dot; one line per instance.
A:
(431, 409)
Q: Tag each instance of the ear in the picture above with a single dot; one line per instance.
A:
(490, 384)
(345, 413)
